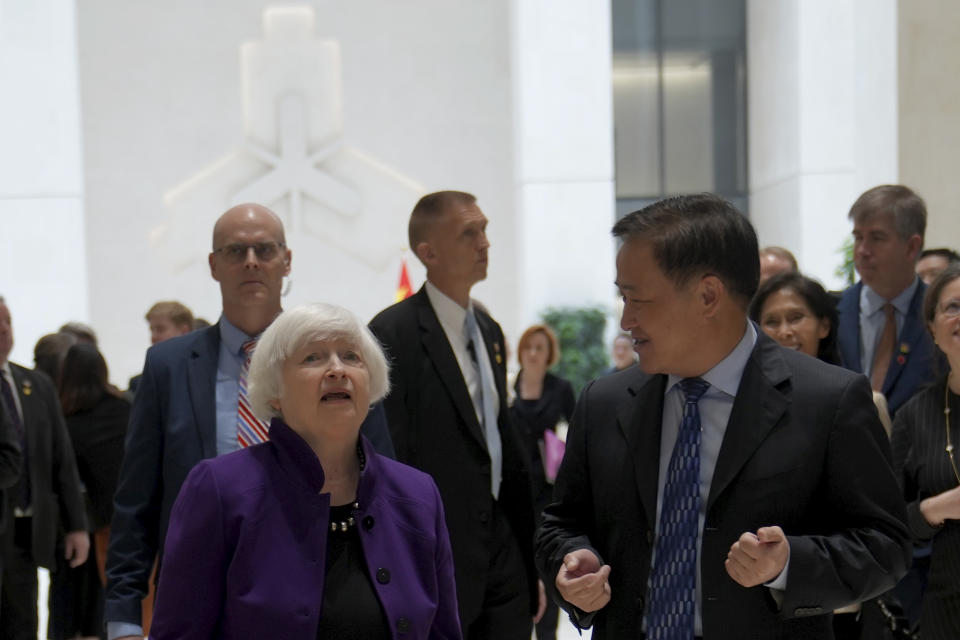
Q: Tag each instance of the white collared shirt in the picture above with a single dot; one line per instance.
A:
(452, 317)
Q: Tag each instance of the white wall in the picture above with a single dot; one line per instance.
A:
(43, 262)
(564, 154)
(822, 109)
(431, 96)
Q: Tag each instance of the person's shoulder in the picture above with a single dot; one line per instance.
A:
(403, 481)
(926, 395)
(176, 348)
(397, 313)
(237, 472)
(617, 386)
(34, 381)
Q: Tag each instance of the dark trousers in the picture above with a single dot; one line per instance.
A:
(18, 593)
(506, 600)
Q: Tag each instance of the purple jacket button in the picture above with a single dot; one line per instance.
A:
(383, 575)
(368, 522)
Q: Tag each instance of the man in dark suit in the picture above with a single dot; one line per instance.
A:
(191, 404)
(46, 495)
(448, 416)
(726, 487)
(881, 332)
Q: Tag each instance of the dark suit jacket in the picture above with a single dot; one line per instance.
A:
(247, 548)
(803, 449)
(55, 496)
(97, 435)
(915, 361)
(435, 428)
(173, 426)
(10, 459)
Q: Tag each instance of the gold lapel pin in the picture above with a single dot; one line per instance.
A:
(27, 388)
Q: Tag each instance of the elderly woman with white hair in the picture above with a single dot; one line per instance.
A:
(312, 534)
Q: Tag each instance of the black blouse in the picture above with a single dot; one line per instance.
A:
(533, 417)
(350, 609)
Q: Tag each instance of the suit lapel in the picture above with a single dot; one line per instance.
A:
(441, 354)
(31, 405)
(848, 328)
(202, 382)
(640, 420)
(495, 353)
(756, 409)
(910, 335)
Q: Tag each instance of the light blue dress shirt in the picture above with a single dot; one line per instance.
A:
(229, 366)
(872, 320)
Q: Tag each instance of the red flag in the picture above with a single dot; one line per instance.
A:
(404, 290)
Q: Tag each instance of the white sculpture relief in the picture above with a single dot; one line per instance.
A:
(293, 156)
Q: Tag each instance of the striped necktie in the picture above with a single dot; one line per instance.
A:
(250, 429)
(673, 581)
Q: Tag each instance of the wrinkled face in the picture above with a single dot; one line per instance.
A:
(6, 333)
(771, 265)
(325, 390)
(249, 260)
(946, 323)
(458, 244)
(786, 318)
(661, 318)
(930, 267)
(536, 352)
(882, 258)
(162, 328)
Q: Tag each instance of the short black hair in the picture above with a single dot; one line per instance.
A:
(949, 255)
(821, 304)
(698, 234)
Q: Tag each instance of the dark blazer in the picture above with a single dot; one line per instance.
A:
(803, 449)
(915, 361)
(173, 426)
(10, 459)
(55, 496)
(97, 435)
(246, 552)
(435, 428)
(920, 458)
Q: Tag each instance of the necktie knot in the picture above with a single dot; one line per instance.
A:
(693, 389)
(248, 347)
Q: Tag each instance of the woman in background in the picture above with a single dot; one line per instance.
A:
(542, 401)
(795, 311)
(926, 439)
(96, 415)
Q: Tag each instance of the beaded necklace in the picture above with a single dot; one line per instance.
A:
(946, 417)
(349, 523)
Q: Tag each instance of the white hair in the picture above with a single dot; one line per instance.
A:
(294, 328)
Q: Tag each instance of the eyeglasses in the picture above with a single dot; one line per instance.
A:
(951, 309)
(236, 253)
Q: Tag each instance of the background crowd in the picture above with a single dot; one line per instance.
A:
(93, 494)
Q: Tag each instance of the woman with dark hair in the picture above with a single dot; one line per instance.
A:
(543, 401)
(795, 311)
(925, 438)
(96, 414)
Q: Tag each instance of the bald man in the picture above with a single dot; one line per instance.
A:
(188, 403)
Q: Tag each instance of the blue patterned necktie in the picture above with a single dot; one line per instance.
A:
(673, 581)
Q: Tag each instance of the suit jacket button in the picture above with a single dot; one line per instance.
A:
(368, 522)
(403, 625)
(484, 516)
(383, 575)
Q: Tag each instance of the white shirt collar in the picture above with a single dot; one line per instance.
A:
(726, 374)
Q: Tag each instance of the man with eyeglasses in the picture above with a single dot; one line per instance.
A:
(191, 404)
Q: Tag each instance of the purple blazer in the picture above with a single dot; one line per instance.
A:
(246, 550)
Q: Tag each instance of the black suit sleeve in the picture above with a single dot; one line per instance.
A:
(871, 546)
(11, 459)
(63, 472)
(135, 525)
